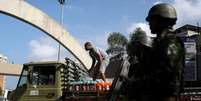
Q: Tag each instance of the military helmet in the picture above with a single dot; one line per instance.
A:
(162, 10)
(145, 40)
(142, 37)
(137, 40)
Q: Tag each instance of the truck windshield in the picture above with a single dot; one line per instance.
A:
(43, 75)
(23, 78)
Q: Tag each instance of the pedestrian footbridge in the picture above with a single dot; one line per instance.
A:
(25, 12)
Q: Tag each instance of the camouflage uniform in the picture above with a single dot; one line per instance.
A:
(166, 71)
(165, 77)
(137, 71)
(139, 53)
(159, 72)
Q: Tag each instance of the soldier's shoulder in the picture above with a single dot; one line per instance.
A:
(172, 37)
(175, 45)
(170, 34)
(172, 40)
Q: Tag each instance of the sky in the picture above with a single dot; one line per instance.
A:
(85, 20)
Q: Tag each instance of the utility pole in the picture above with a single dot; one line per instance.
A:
(61, 2)
(198, 25)
(197, 52)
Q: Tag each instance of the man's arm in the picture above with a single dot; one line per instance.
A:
(95, 56)
(93, 62)
(99, 58)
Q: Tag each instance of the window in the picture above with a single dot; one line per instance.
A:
(23, 78)
(43, 75)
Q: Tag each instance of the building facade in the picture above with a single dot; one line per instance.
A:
(3, 59)
(190, 35)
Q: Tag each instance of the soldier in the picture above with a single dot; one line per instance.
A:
(138, 50)
(165, 77)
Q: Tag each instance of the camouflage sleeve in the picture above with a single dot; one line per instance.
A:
(171, 61)
(174, 53)
(170, 68)
(93, 60)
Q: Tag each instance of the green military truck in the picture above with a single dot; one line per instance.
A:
(46, 81)
(61, 81)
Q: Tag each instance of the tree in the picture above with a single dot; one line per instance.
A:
(117, 43)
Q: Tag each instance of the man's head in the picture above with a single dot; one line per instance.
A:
(161, 16)
(88, 46)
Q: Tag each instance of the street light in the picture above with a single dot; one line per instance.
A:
(62, 2)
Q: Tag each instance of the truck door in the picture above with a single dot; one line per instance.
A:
(21, 88)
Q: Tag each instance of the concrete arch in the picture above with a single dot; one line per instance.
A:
(25, 12)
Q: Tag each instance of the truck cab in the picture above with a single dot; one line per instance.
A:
(39, 81)
(45, 81)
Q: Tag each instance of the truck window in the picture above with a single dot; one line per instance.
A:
(43, 75)
(23, 78)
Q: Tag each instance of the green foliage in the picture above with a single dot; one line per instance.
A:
(116, 39)
(117, 43)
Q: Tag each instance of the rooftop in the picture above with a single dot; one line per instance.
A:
(188, 27)
(44, 63)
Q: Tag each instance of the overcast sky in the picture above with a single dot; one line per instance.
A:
(86, 20)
